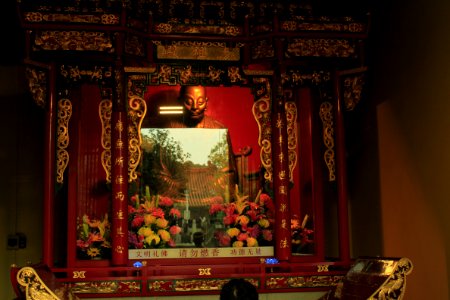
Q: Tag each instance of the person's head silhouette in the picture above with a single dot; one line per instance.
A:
(238, 289)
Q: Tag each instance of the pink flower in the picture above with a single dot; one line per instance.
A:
(224, 240)
(253, 231)
(175, 229)
(175, 212)
(171, 243)
(165, 201)
(267, 234)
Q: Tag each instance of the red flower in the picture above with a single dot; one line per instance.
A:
(229, 219)
(175, 212)
(215, 208)
(165, 201)
(159, 213)
(137, 221)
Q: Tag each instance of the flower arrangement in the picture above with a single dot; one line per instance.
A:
(247, 223)
(152, 222)
(93, 237)
(301, 236)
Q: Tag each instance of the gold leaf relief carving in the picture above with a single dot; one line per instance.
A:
(73, 40)
(291, 117)
(136, 113)
(326, 116)
(105, 111)
(62, 138)
(262, 113)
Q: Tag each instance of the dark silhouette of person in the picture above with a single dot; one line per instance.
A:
(238, 289)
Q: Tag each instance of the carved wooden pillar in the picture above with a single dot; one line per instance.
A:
(281, 179)
(119, 171)
(49, 173)
(344, 241)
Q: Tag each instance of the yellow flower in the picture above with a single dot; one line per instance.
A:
(238, 244)
(243, 220)
(153, 239)
(252, 242)
(93, 252)
(232, 232)
(264, 223)
(162, 223)
(145, 231)
(164, 234)
(149, 219)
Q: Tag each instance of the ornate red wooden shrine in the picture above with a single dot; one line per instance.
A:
(281, 79)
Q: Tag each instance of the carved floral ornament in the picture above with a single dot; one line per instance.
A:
(37, 84)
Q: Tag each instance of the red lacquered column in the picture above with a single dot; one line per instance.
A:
(341, 172)
(281, 181)
(49, 175)
(119, 179)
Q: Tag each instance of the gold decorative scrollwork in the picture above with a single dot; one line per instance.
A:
(62, 140)
(291, 117)
(352, 91)
(35, 288)
(136, 114)
(328, 138)
(37, 83)
(262, 113)
(105, 111)
(395, 285)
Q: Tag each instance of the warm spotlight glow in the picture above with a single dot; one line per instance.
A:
(170, 110)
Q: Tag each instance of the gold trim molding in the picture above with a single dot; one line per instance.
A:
(62, 140)
(326, 115)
